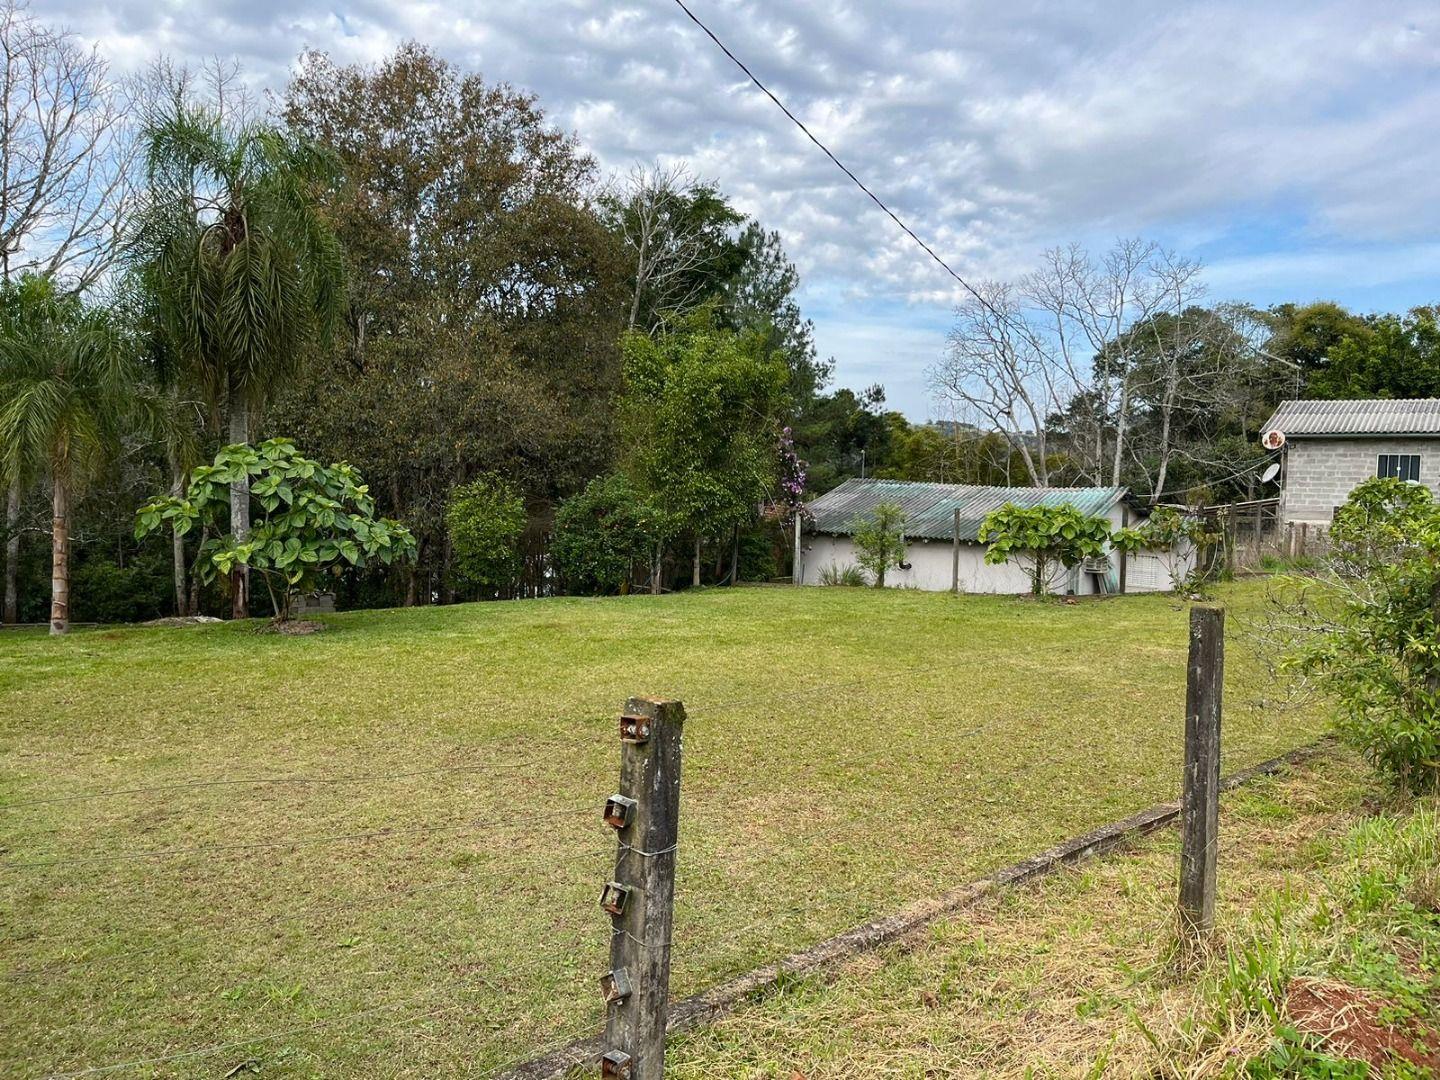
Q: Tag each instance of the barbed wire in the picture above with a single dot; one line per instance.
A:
(293, 780)
(309, 914)
(261, 845)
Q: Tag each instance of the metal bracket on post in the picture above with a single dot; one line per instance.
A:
(645, 815)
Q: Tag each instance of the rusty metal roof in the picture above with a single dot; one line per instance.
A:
(930, 508)
(1401, 416)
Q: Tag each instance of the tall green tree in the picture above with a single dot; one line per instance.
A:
(486, 299)
(67, 381)
(1396, 356)
(701, 416)
(245, 272)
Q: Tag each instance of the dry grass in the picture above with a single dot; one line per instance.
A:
(847, 751)
(1080, 974)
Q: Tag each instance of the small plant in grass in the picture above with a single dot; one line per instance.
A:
(485, 518)
(1366, 628)
(849, 575)
(880, 540)
(1046, 541)
(312, 519)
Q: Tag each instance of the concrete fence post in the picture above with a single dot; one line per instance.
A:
(645, 815)
(1200, 800)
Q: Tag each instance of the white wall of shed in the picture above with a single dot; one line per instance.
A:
(932, 567)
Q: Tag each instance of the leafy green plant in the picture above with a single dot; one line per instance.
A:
(1043, 540)
(1366, 628)
(313, 519)
(849, 575)
(486, 518)
(880, 540)
(602, 533)
(1174, 536)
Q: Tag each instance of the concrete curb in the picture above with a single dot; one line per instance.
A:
(725, 997)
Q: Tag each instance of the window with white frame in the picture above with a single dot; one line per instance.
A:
(1400, 466)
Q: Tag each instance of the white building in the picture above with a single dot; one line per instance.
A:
(935, 555)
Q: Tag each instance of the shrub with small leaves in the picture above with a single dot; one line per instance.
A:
(880, 540)
(1365, 626)
(308, 519)
(486, 519)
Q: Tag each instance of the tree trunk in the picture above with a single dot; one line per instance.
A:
(60, 554)
(12, 552)
(195, 573)
(177, 541)
(1122, 423)
(240, 501)
(695, 575)
(735, 559)
(655, 570)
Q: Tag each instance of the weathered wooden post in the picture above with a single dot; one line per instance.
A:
(1124, 555)
(796, 574)
(1200, 801)
(645, 815)
(955, 555)
(1304, 537)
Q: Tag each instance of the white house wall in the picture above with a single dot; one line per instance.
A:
(932, 567)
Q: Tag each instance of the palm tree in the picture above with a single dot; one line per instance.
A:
(244, 271)
(66, 384)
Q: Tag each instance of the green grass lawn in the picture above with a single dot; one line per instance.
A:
(847, 751)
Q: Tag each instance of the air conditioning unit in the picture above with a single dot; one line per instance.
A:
(1096, 564)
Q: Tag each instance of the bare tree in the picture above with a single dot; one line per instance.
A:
(670, 246)
(1002, 370)
(1088, 308)
(1182, 366)
(65, 164)
(65, 153)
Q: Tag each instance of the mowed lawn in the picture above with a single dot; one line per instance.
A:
(414, 892)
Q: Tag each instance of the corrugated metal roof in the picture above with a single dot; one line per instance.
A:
(1403, 416)
(930, 508)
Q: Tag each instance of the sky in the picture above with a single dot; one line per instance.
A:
(1293, 148)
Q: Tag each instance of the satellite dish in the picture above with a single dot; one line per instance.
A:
(1270, 473)
(1273, 439)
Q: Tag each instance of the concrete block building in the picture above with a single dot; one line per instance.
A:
(1329, 447)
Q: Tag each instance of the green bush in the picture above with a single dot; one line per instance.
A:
(308, 520)
(1042, 539)
(106, 593)
(601, 534)
(1367, 628)
(880, 540)
(486, 518)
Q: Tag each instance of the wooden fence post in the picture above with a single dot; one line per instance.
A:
(796, 573)
(955, 555)
(1124, 555)
(1200, 801)
(640, 898)
(1304, 536)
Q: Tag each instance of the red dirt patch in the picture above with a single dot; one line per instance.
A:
(1347, 1019)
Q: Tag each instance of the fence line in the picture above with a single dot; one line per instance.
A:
(641, 865)
(261, 845)
(257, 781)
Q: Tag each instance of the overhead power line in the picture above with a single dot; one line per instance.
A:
(840, 164)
